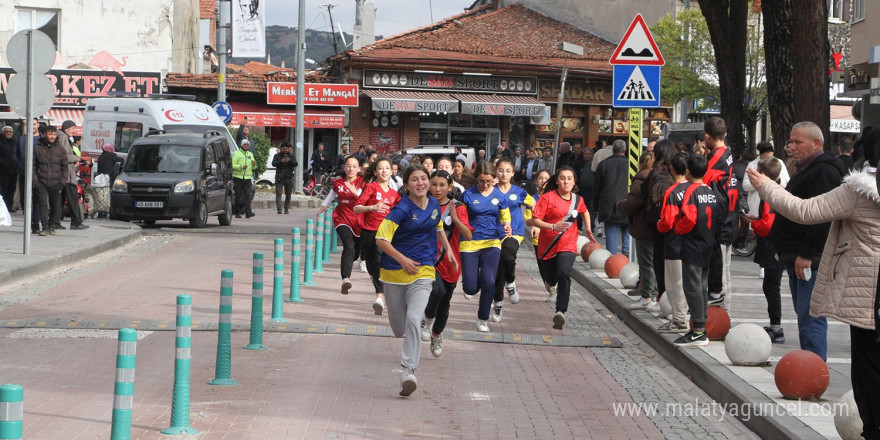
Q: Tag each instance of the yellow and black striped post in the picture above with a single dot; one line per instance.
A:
(636, 120)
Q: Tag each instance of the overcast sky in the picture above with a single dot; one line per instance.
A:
(392, 16)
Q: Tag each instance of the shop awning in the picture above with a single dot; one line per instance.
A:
(57, 117)
(262, 115)
(406, 101)
(499, 105)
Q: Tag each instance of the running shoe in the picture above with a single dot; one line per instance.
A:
(775, 337)
(514, 294)
(483, 325)
(379, 305)
(363, 266)
(692, 339)
(408, 382)
(467, 295)
(641, 304)
(426, 328)
(713, 301)
(552, 296)
(558, 320)
(346, 286)
(672, 327)
(634, 292)
(436, 345)
(496, 311)
(761, 274)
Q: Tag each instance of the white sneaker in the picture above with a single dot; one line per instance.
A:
(346, 286)
(408, 382)
(482, 325)
(467, 296)
(363, 266)
(514, 294)
(552, 296)
(496, 311)
(436, 346)
(640, 304)
(761, 274)
(426, 328)
(558, 320)
(379, 305)
(653, 306)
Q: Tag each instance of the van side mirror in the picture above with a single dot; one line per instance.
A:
(214, 169)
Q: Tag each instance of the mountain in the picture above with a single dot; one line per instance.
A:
(281, 45)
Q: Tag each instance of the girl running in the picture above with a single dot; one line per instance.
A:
(490, 218)
(428, 163)
(375, 201)
(516, 198)
(408, 239)
(540, 183)
(347, 223)
(455, 223)
(556, 214)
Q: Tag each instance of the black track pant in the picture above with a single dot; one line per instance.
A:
(559, 274)
(438, 304)
(351, 249)
(506, 266)
(659, 263)
(866, 379)
(370, 254)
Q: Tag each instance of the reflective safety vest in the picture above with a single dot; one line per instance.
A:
(242, 164)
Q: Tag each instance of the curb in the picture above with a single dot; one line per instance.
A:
(59, 260)
(706, 372)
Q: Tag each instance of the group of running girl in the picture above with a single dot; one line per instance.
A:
(419, 241)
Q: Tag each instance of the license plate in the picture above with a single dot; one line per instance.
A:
(149, 204)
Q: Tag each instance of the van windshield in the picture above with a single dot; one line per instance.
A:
(164, 158)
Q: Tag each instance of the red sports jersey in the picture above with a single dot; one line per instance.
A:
(762, 225)
(344, 212)
(552, 209)
(670, 212)
(444, 267)
(372, 195)
(695, 224)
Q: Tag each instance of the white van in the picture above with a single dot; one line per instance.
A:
(121, 121)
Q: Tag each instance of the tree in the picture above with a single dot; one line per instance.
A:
(796, 37)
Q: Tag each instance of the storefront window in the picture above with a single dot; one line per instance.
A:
(460, 120)
(433, 128)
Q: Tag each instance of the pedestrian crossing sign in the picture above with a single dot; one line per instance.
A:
(636, 86)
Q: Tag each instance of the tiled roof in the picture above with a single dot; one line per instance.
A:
(250, 78)
(207, 9)
(510, 35)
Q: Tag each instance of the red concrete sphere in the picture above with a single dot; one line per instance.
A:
(801, 374)
(614, 264)
(717, 323)
(588, 249)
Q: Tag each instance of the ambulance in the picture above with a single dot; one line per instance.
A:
(122, 120)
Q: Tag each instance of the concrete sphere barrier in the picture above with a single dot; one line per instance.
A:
(801, 374)
(597, 259)
(588, 249)
(614, 264)
(747, 345)
(718, 323)
(629, 275)
(846, 418)
(665, 307)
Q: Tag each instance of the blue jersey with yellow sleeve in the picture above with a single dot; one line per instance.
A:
(517, 199)
(485, 213)
(413, 232)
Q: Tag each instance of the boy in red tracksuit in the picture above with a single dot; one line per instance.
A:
(670, 211)
(765, 255)
(698, 210)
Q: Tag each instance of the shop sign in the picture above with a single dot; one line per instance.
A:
(450, 82)
(576, 92)
(74, 87)
(287, 120)
(339, 95)
(477, 108)
(402, 105)
(845, 126)
(858, 77)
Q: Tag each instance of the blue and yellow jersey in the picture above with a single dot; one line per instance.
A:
(485, 213)
(518, 203)
(413, 232)
(528, 216)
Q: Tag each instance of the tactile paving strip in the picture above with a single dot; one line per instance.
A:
(309, 328)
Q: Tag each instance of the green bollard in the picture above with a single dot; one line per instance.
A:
(223, 365)
(310, 231)
(294, 267)
(182, 345)
(123, 389)
(328, 227)
(11, 411)
(319, 245)
(256, 341)
(278, 283)
(334, 237)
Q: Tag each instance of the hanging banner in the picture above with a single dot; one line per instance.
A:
(248, 29)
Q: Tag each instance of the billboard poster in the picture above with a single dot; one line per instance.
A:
(248, 28)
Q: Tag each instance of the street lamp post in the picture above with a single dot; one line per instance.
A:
(573, 49)
(300, 91)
